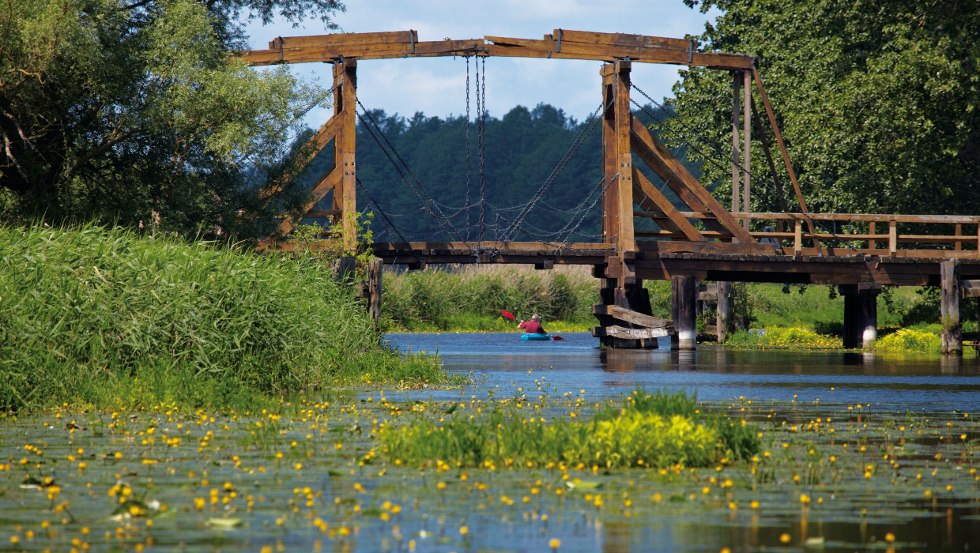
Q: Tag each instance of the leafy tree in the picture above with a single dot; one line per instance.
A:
(132, 112)
(877, 100)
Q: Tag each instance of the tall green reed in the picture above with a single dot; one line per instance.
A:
(86, 309)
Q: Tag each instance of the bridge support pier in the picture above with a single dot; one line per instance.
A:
(635, 312)
(860, 315)
(723, 311)
(951, 333)
(683, 309)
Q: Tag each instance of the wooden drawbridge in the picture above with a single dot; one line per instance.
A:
(700, 239)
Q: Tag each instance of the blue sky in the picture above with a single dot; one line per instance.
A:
(436, 86)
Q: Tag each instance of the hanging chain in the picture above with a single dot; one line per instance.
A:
(469, 147)
(481, 127)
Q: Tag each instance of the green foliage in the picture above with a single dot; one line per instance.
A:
(877, 101)
(85, 313)
(909, 340)
(132, 114)
(783, 338)
(471, 298)
(649, 430)
(524, 149)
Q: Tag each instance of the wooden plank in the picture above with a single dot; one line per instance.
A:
(736, 176)
(344, 39)
(326, 184)
(716, 248)
(779, 139)
(690, 182)
(746, 144)
(317, 142)
(630, 316)
(892, 237)
(970, 288)
(668, 209)
(620, 39)
(624, 158)
(624, 333)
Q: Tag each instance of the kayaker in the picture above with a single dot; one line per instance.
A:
(533, 326)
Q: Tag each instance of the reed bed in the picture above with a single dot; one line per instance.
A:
(471, 297)
(105, 316)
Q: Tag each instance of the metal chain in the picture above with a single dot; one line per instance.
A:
(469, 147)
(405, 171)
(481, 127)
(555, 173)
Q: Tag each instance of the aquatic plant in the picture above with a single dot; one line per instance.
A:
(783, 338)
(909, 340)
(93, 314)
(647, 430)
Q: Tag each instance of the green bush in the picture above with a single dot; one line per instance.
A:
(84, 312)
(909, 340)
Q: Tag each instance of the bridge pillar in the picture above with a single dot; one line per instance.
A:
(683, 307)
(860, 315)
(723, 311)
(951, 333)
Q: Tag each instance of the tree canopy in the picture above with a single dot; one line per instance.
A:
(129, 112)
(877, 100)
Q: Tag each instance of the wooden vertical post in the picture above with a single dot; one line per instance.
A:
(892, 237)
(959, 232)
(684, 297)
(746, 144)
(798, 237)
(345, 108)
(872, 244)
(617, 200)
(375, 267)
(860, 314)
(736, 156)
(723, 318)
(949, 280)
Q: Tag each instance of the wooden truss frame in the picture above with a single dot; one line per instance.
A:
(623, 135)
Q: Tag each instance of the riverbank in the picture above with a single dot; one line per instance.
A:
(469, 299)
(107, 318)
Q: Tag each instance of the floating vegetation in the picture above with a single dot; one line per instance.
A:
(783, 338)
(649, 430)
(314, 475)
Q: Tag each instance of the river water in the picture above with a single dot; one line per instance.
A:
(503, 362)
(858, 453)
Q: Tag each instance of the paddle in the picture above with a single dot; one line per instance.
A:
(508, 315)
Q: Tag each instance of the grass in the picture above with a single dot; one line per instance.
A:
(103, 317)
(647, 430)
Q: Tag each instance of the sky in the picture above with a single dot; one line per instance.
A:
(437, 86)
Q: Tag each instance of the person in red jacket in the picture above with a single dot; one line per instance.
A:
(533, 326)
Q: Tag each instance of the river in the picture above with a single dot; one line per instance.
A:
(893, 382)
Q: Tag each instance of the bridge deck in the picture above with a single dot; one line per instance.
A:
(710, 261)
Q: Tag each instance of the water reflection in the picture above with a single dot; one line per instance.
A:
(503, 362)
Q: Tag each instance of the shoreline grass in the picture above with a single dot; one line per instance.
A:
(102, 316)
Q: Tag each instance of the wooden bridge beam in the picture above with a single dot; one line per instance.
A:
(617, 195)
(345, 109)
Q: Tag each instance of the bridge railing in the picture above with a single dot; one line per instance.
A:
(887, 234)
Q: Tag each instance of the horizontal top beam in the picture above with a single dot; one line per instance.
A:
(561, 44)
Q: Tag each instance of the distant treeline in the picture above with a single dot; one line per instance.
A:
(537, 176)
